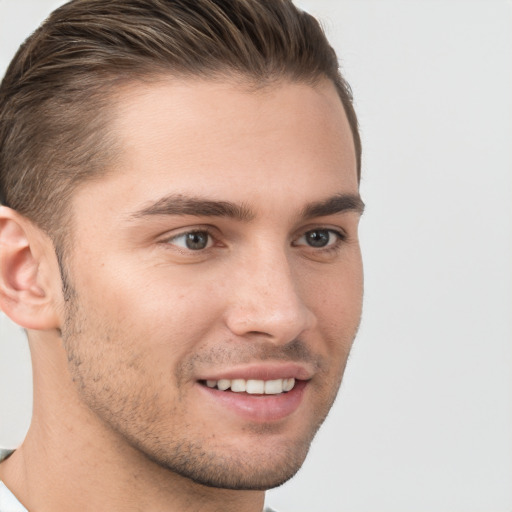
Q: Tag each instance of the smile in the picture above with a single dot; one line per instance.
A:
(253, 386)
(258, 400)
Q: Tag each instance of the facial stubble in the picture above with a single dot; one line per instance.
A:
(126, 410)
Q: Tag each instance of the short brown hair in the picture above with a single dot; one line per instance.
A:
(55, 96)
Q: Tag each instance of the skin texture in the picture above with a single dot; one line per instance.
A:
(121, 417)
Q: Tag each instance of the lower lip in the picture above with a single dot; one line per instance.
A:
(259, 408)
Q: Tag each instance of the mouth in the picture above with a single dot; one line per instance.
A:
(254, 400)
(252, 386)
(258, 393)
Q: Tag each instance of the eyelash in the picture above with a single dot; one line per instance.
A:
(204, 230)
(340, 237)
(332, 247)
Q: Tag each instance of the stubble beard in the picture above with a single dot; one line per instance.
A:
(138, 421)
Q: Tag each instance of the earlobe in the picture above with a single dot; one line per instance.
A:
(22, 296)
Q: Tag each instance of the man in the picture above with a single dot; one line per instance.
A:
(179, 239)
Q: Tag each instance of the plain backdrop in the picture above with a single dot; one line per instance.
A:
(424, 418)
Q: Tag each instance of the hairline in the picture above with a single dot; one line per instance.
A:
(111, 97)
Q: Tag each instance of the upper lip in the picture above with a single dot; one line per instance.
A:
(259, 371)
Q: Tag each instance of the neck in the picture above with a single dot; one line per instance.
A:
(96, 469)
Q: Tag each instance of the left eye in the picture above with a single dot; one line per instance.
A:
(319, 238)
(193, 240)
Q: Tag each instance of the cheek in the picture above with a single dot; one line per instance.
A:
(155, 315)
(337, 297)
(337, 306)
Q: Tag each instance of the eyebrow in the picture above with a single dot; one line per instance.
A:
(200, 207)
(337, 204)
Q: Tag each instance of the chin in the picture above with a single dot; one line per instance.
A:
(250, 475)
(253, 471)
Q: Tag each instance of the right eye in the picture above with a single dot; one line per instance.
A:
(192, 240)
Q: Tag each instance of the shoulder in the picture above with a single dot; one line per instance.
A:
(8, 503)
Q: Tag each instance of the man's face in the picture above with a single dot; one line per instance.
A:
(221, 251)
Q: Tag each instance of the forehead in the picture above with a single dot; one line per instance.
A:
(224, 138)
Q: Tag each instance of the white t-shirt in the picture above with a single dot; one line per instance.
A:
(8, 503)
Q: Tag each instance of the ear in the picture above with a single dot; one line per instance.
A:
(26, 296)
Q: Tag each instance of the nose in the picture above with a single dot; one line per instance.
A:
(267, 300)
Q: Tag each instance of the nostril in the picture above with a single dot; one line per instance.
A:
(277, 323)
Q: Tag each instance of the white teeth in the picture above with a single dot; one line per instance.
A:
(288, 384)
(253, 386)
(238, 385)
(223, 384)
(274, 387)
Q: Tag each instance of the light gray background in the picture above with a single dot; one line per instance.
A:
(424, 419)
